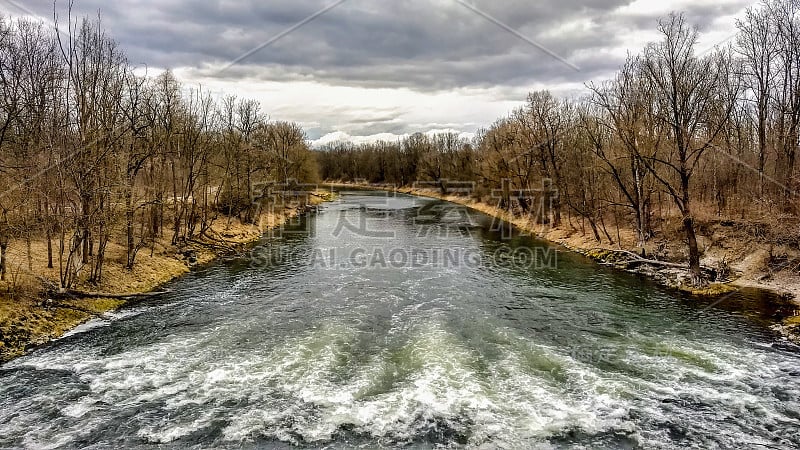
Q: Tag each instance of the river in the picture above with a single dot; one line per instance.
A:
(384, 321)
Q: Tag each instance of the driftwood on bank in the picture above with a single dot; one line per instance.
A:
(91, 294)
(55, 292)
(218, 244)
(631, 261)
(636, 260)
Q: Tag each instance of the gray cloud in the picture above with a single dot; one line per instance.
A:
(422, 45)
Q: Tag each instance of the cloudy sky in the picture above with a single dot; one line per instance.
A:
(363, 69)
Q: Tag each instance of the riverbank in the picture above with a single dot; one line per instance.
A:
(357, 348)
(29, 320)
(740, 262)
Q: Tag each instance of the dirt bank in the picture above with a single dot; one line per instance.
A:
(29, 319)
(731, 256)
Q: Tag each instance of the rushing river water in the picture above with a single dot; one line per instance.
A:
(381, 322)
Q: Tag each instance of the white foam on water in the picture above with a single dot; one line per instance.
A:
(310, 386)
(106, 319)
(442, 387)
(86, 326)
(124, 313)
(79, 409)
(173, 428)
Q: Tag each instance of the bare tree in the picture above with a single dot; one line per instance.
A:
(693, 99)
(627, 110)
(786, 17)
(757, 45)
(135, 155)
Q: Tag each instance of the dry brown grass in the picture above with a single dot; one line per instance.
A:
(27, 320)
(744, 249)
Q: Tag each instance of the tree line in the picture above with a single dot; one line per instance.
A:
(90, 151)
(675, 132)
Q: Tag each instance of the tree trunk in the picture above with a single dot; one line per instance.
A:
(85, 243)
(29, 251)
(555, 202)
(605, 230)
(505, 198)
(443, 186)
(789, 184)
(85, 230)
(3, 248)
(694, 252)
(129, 212)
(523, 203)
(695, 272)
(156, 215)
(762, 145)
(49, 248)
(595, 231)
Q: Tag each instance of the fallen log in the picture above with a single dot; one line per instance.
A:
(92, 294)
(636, 260)
(219, 245)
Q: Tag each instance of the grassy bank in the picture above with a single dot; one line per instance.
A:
(29, 319)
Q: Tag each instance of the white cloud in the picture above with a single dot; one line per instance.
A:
(361, 111)
(340, 136)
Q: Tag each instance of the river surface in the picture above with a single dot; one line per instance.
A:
(385, 321)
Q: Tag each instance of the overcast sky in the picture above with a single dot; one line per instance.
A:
(367, 68)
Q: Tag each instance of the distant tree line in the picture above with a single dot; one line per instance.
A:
(675, 130)
(89, 151)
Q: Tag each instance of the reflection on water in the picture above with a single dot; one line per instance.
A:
(288, 345)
